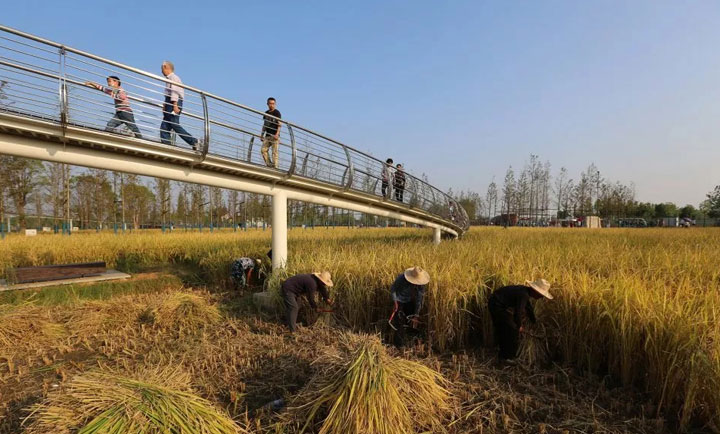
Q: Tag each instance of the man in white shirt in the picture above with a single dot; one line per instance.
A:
(172, 108)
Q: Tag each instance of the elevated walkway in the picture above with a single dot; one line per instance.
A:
(48, 113)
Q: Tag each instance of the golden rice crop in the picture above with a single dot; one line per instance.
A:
(638, 304)
(148, 402)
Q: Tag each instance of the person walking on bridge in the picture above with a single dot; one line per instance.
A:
(270, 133)
(387, 176)
(509, 307)
(407, 294)
(172, 108)
(123, 112)
(307, 285)
(399, 183)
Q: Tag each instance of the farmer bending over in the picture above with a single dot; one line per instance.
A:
(509, 306)
(307, 285)
(242, 269)
(407, 294)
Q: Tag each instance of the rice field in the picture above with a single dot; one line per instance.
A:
(630, 343)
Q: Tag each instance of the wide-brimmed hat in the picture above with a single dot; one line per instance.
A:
(325, 278)
(417, 276)
(542, 287)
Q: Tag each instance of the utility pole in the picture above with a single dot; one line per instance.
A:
(122, 199)
(66, 179)
(210, 194)
(597, 193)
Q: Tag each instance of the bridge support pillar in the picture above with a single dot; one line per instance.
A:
(279, 230)
(436, 236)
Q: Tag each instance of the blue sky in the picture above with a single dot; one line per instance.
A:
(458, 90)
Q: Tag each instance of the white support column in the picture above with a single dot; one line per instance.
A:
(436, 236)
(279, 229)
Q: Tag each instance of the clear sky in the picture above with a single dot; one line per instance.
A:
(459, 90)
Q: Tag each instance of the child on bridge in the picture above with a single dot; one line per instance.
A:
(123, 112)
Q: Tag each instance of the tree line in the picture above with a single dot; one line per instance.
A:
(533, 194)
(36, 194)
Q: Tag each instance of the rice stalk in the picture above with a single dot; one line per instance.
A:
(149, 402)
(365, 390)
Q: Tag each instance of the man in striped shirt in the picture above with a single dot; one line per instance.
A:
(123, 112)
(172, 108)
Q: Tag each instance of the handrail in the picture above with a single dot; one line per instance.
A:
(350, 169)
(223, 125)
(291, 170)
(206, 122)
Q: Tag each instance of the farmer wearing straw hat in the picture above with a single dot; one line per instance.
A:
(307, 285)
(509, 306)
(407, 294)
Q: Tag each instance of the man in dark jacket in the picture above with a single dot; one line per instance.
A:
(399, 182)
(307, 285)
(407, 293)
(509, 306)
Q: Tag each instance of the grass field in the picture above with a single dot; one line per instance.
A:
(633, 308)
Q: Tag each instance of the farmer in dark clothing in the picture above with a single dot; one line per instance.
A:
(307, 285)
(407, 293)
(509, 306)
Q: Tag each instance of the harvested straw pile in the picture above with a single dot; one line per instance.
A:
(362, 389)
(151, 402)
(27, 325)
(185, 311)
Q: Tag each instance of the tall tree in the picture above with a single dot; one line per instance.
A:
(163, 198)
(139, 200)
(21, 178)
(491, 199)
(711, 205)
(508, 190)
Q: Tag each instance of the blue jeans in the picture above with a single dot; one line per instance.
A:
(171, 122)
(123, 117)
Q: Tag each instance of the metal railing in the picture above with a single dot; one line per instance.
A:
(47, 80)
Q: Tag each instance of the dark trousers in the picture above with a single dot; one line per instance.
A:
(399, 190)
(385, 189)
(171, 122)
(123, 117)
(292, 303)
(402, 325)
(507, 335)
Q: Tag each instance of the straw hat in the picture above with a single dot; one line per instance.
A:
(542, 286)
(417, 276)
(324, 277)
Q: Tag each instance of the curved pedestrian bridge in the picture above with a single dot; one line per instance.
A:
(49, 112)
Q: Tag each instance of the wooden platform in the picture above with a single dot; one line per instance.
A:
(55, 272)
(107, 275)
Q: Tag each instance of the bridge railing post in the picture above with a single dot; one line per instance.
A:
(62, 89)
(350, 169)
(291, 169)
(206, 122)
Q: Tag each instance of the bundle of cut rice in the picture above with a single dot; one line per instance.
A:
(185, 311)
(362, 389)
(148, 402)
(534, 347)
